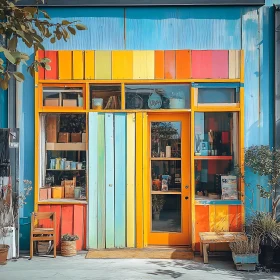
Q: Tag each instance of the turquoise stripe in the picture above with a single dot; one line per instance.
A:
(110, 181)
(120, 180)
(218, 202)
(92, 175)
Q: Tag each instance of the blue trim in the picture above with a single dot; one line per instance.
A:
(216, 85)
(218, 202)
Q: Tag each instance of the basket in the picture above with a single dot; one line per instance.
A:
(68, 248)
(4, 249)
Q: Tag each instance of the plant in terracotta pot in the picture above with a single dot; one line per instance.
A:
(68, 245)
(10, 204)
(157, 205)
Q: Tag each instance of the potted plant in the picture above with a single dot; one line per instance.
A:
(245, 253)
(157, 205)
(68, 245)
(9, 211)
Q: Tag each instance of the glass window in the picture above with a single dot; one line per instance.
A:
(63, 97)
(63, 157)
(105, 97)
(216, 155)
(155, 96)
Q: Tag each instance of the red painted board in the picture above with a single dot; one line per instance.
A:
(85, 228)
(235, 218)
(67, 219)
(183, 64)
(201, 64)
(78, 225)
(57, 210)
(169, 64)
(220, 65)
(41, 71)
(53, 73)
(159, 65)
(45, 223)
(201, 222)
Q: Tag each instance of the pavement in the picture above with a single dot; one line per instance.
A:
(63, 268)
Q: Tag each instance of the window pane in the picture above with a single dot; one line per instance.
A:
(157, 96)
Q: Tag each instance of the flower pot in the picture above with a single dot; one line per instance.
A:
(156, 216)
(266, 255)
(68, 248)
(246, 262)
(4, 249)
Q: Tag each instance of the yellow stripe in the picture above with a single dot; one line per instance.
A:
(143, 65)
(89, 65)
(122, 65)
(221, 217)
(139, 180)
(212, 218)
(65, 65)
(103, 65)
(242, 74)
(78, 65)
(130, 180)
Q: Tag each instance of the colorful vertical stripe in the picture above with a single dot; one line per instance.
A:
(143, 65)
(41, 70)
(65, 64)
(89, 65)
(78, 65)
(159, 65)
(169, 65)
(125, 60)
(103, 65)
(53, 73)
(183, 64)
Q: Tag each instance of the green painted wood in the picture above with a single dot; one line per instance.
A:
(101, 222)
(92, 177)
(120, 180)
(110, 181)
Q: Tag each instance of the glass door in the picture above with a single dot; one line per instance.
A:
(169, 184)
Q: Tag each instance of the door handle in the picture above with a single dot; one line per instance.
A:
(186, 197)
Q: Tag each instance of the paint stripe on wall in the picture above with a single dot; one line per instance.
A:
(53, 73)
(65, 65)
(89, 65)
(234, 64)
(159, 65)
(219, 65)
(41, 71)
(122, 65)
(103, 65)
(169, 65)
(143, 65)
(201, 222)
(183, 64)
(78, 65)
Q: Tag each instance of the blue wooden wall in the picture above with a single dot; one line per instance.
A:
(170, 28)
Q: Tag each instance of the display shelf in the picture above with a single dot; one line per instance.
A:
(165, 158)
(65, 169)
(66, 146)
(63, 201)
(213, 157)
(165, 192)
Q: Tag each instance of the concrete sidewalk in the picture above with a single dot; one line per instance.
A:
(80, 268)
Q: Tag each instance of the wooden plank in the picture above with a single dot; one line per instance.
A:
(45, 223)
(101, 221)
(110, 180)
(159, 65)
(201, 222)
(57, 210)
(78, 65)
(122, 65)
(183, 64)
(222, 221)
(67, 215)
(232, 64)
(169, 65)
(139, 180)
(41, 71)
(201, 64)
(238, 63)
(89, 65)
(66, 146)
(64, 65)
(130, 183)
(143, 65)
(220, 65)
(239, 223)
(92, 178)
(103, 65)
(232, 217)
(85, 236)
(53, 73)
(78, 225)
(120, 180)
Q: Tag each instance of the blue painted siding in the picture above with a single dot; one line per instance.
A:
(3, 108)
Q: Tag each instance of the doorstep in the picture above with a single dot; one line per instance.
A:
(151, 252)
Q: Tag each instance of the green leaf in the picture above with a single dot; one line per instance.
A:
(66, 22)
(48, 67)
(18, 76)
(72, 30)
(46, 15)
(80, 26)
(13, 43)
(4, 84)
(31, 10)
(45, 60)
(9, 56)
(53, 40)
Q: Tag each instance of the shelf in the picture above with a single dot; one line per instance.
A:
(63, 201)
(66, 146)
(65, 169)
(213, 157)
(165, 158)
(168, 192)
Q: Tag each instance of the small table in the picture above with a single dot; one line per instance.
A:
(207, 238)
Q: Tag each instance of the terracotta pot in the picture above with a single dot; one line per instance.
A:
(68, 248)
(4, 249)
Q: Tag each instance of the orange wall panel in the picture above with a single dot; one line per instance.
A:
(235, 223)
(41, 71)
(183, 64)
(53, 73)
(45, 222)
(169, 65)
(67, 216)
(78, 225)
(159, 65)
(201, 222)
(57, 210)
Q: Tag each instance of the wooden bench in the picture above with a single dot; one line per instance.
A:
(207, 238)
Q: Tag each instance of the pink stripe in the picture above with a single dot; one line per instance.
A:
(201, 64)
(219, 65)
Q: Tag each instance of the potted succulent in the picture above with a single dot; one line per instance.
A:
(157, 205)
(68, 245)
(245, 253)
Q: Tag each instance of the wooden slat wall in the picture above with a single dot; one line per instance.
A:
(65, 60)
(183, 64)
(41, 71)
(169, 64)
(234, 64)
(122, 65)
(78, 65)
(159, 65)
(89, 65)
(103, 65)
(53, 73)
(69, 219)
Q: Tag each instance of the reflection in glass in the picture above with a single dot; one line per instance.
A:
(166, 175)
(166, 213)
(218, 95)
(174, 96)
(166, 139)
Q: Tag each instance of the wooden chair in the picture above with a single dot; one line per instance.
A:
(41, 233)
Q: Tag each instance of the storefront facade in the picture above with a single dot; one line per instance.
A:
(140, 122)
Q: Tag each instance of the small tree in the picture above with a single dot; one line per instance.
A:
(32, 26)
(265, 162)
